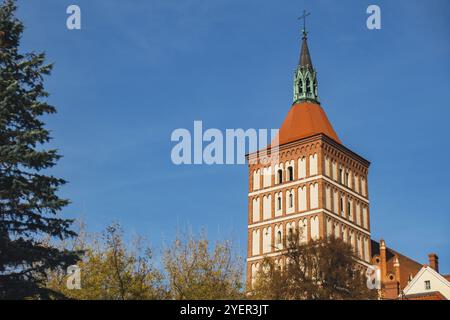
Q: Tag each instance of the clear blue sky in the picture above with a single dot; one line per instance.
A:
(140, 69)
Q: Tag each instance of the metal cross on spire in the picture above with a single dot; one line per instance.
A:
(303, 17)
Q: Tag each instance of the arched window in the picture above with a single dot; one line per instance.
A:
(279, 237)
(290, 173)
(280, 176)
(290, 234)
(279, 203)
(308, 86)
(300, 86)
(291, 200)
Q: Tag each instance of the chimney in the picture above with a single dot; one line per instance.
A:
(434, 261)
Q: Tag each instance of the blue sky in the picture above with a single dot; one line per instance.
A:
(140, 69)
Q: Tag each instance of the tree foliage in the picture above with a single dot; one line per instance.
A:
(195, 272)
(29, 203)
(190, 268)
(322, 269)
(110, 270)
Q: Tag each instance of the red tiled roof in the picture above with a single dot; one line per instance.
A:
(305, 119)
(435, 295)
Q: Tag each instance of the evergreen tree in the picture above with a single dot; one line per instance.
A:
(29, 203)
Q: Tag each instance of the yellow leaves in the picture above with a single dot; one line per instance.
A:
(192, 268)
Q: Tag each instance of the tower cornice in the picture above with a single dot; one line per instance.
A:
(268, 151)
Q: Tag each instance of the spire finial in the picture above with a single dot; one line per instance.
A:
(305, 78)
(303, 17)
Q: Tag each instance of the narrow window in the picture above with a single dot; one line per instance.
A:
(427, 285)
(300, 86)
(308, 86)
(279, 237)
(279, 203)
(290, 234)
(341, 205)
(280, 176)
(349, 209)
(291, 201)
(340, 175)
(290, 173)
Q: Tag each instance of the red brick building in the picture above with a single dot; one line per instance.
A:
(312, 182)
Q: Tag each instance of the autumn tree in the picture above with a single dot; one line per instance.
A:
(191, 268)
(322, 269)
(111, 270)
(29, 201)
(197, 270)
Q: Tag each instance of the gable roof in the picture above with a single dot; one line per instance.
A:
(426, 269)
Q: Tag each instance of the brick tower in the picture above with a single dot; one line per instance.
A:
(315, 185)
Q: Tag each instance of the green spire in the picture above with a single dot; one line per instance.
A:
(305, 77)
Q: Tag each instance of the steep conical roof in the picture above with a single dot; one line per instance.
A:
(304, 120)
(305, 58)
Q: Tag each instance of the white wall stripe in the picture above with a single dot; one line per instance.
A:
(307, 213)
(284, 185)
(279, 253)
(284, 218)
(346, 189)
(346, 222)
(303, 181)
